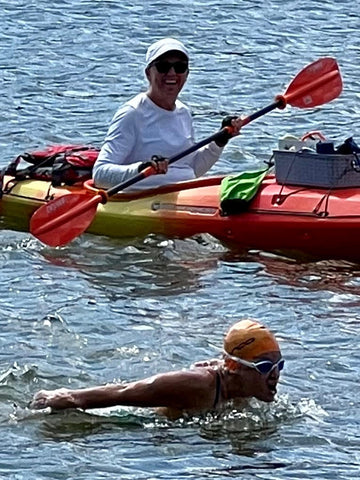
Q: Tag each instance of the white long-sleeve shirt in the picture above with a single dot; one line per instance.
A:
(141, 129)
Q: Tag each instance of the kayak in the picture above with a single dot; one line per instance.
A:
(297, 221)
(289, 220)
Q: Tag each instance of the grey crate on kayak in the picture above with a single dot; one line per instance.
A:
(315, 170)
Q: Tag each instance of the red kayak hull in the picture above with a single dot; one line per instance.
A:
(292, 221)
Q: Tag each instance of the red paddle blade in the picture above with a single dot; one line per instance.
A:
(58, 222)
(318, 83)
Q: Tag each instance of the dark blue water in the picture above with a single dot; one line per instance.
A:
(100, 310)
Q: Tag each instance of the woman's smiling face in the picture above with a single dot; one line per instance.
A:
(165, 87)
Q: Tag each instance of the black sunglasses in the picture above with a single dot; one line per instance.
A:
(163, 66)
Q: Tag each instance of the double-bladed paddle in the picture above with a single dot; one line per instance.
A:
(61, 220)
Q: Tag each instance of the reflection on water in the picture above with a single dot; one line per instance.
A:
(337, 276)
(143, 267)
(159, 266)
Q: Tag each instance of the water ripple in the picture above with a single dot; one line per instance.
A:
(101, 310)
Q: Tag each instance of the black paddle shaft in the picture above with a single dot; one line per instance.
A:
(220, 134)
(142, 175)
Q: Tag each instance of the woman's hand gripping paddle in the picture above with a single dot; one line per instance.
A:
(61, 220)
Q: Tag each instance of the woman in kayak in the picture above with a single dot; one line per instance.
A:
(250, 367)
(155, 125)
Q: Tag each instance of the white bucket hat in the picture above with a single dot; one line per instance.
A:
(162, 46)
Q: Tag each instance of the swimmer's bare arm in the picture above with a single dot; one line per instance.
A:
(181, 390)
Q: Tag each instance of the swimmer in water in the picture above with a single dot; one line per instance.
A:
(250, 367)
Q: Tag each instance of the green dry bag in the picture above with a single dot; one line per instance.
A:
(237, 191)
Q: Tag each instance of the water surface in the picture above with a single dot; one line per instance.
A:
(100, 309)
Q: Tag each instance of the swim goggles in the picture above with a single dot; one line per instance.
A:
(262, 366)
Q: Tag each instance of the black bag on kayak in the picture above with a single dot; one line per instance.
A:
(60, 164)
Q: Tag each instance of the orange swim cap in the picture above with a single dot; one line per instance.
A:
(249, 339)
